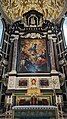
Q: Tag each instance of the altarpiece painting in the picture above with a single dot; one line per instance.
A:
(33, 56)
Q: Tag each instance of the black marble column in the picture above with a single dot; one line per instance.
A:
(10, 57)
(52, 55)
(55, 54)
(14, 62)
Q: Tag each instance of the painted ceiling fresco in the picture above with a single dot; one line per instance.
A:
(14, 9)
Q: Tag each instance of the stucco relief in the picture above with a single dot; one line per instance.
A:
(55, 82)
(11, 82)
(15, 9)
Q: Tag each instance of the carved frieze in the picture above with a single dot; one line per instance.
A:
(37, 82)
(31, 35)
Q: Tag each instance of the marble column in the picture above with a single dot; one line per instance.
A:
(10, 56)
(52, 55)
(14, 62)
(55, 53)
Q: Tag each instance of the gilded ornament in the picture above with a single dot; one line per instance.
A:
(15, 9)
